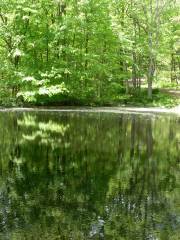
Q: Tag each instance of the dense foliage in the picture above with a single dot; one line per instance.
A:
(86, 51)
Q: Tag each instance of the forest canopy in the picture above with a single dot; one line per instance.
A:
(86, 51)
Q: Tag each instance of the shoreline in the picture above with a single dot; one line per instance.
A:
(131, 110)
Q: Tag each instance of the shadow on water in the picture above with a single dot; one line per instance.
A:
(89, 176)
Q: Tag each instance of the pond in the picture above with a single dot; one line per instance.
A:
(80, 176)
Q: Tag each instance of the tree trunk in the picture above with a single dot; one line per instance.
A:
(151, 65)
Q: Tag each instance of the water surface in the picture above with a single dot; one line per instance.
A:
(87, 176)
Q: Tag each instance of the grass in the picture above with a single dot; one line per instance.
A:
(166, 84)
(140, 99)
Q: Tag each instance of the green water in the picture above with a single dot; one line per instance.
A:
(89, 176)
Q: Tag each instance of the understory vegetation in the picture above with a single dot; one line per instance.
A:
(89, 52)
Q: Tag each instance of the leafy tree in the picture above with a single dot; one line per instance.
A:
(85, 51)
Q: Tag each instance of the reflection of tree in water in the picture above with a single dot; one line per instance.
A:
(144, 206)
(89, 175)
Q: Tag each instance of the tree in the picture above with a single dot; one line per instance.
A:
(85, 52)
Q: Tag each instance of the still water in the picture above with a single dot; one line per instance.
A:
(87, 176)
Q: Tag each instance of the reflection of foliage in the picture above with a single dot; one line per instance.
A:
(144, 183)
(81, 176)
(42, 131)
